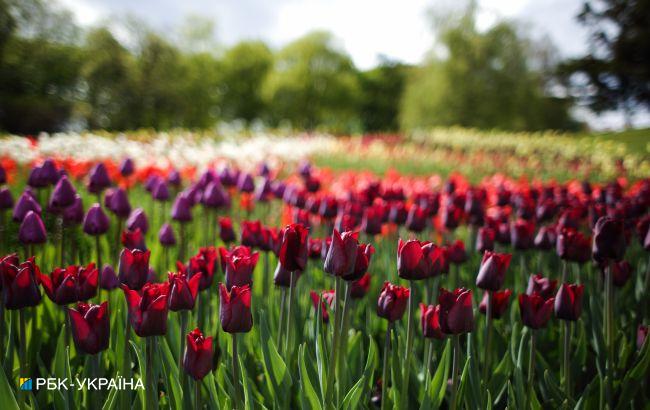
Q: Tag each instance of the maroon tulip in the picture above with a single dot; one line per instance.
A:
(19, 282)
(198, 356)
(456, 315)
(371, 221)
(95, 222)
(133, 240)
(294, 249)
(235, 309)
(359, 288)
(450, 217)
(500, 301)
(418, 260)
(315, 248)
(342, 254)
(239, 266)
(609, 239)
(226, 232)
(544, 287)
(568, 302)
(109, 280)
(71, 284)
(545, 238)
(148, 309)
(641, 336)
(573, 246)
(315, 298)
(204, 262)
(493, 270)
(392, 301)
(134, 268)
(362, 261)
(522, 234)
(32, 230)
(416, 220)
(535, 310)
(90, 327)
(282, 277)
(182, 291)
(485, 239)
(251, 233)
(621, 273)
(430, 321)
(457, 254)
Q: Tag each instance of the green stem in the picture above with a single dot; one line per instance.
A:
(455, 372)
(235, 373)
(59, 222)
(531, 364)
(22, 354)
(335, 340)
(488, 335)
(181, 248)
(283, 302)
(99, 267)
(609, 332)
(409, 346)
(181, 350)
(343, 340)
(384, 373)
(292, 285)
(427, 365)
(197, 394)
(565, 270)
(151, 396)
(566, 364)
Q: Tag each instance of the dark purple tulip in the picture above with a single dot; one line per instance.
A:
(19, 282)
(328, 207)
(138, 219)
(544, 287)
(134, 268)
(26, 203)
(214, 196)
(493, 270)
(6, 199)
(278, 188)
(90, 327)
(109, 280)
(392, 301)
(118, 203)
(161, 192)
(127, 168)
(181, 210)
(568, 302)
(63, 194)
(609, 239)
(456, 315)
(174, 178)
(148, 309)
(545, 238)
(342, 253)
(49, 171)
(183, 291)
(166, 235)
(32, 230)
(74, 214)
(98, 179)
(151, 182)
(263, 191)
(37, 178)
(95, 222)
(245, 183)
(485, 239)
(235, 309)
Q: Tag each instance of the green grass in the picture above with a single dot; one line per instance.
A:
(636, 141)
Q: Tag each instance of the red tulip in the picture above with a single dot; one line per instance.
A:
(364, 253)
(71, 284)
(500, 301)
(418, 260)
(90, 327)
(238, 264)
(360, 288)
(342, 253)
(535, 310)
(641, 336)
(430, 321)
(294, 247)
(573, 246)
(315, 298)
(545, 287)
(134, 268)
(568, 302)
(148, 309)
(522, 234)
(198, 356)
(392, 301)
(19, 282)
(493, 270)
(269, 240)
(315, 248)
(485, 239)
(609, 239)
(235, 309)
(416, 220)
(133, 240)
(457, 253)
(226, 232)
(183, 291)
(205, 263)
(456, 315)
(251, 232)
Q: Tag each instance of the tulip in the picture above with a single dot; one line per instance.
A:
(133, 240)
(138, 220)
(362, 261)
(535, 309)
(418, 260)
(315, 246)
(174, 178)
(282, 277)
(239, 266)
(342, 254)
(641, 336)
(568, 302)
(542, 286)
(621, 273)
(19, 282)
(294, 249)
(456, 315)
(148, 310)
(127, 168)
(235, 309)
(392, 301)
(161, 192)
(90, 326)
(118, 203)
(397, 213)
(499, 300)
(6, 199)
(182, 209)
(245, 183)
(371, 221)
(183, 291)
(3, 175)
(609, 239)
(493, 270)
(98, 179)
(95, 222)
(166, 235)
(485, 239)
(25, 204)
(359, 288)
(457, 253)
(226, 232)
(416, 220)
(315, 299)
(134, 268)
(572, 246)
(32, 230)
(545, 238)
(74, 214)
(198, 356)
(37, 178)
(450, 217)
(71, 284)
(430, 321)
(109, 280)
(63, 194)
(522, 234)
(251, 232)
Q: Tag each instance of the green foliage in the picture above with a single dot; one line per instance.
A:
(382, 90)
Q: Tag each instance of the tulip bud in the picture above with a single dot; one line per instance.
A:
(239, 266)
(32, 230)
(182, 209)
(204, 262)
(25, 204)
(416, 220)
(418, 260)
(621, 273)
(485, 239)
(568, 302)
(215, 196)
(362, 261)
(545, 287)
(134, 268)
(182, 293)
(245, 183)
(235, 309)
(457, 254)
(90, 327)
(294, 250)
(572, 246)
(74, 214)
(251, 233)
(160, 193)
(95, 222)
(535, 310)
(522, 233)
(118, 203)
(371, 221)
(127, 168)
(98, 179)
(109, 280)
(430, 321)
(63, 194)
(493, 270)
(174, 178)
(360, 288)
(500, 300)
(342, 254)
(397, 213)
(392, 301)
(6, 199)
(609, 239)
(19, 282)
(198, 355)
(226, 231)
(138, 220)
(545, 238)
(71, 284)
(282, 277)
(456, 315)
(166, 235)
(148, 310)
(133, 240)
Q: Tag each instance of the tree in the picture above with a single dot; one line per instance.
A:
(484, 81)
(616, 74)
(312, 84)
(244, 68)
(382, 89)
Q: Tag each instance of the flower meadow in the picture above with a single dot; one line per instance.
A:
(187, 272)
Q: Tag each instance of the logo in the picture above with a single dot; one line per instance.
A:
(25, 383)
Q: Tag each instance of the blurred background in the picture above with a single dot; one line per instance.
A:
(344, 67)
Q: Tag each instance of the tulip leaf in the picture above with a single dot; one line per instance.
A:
(307, 393)
(474, 377)
(488, 402)
(500, 376)
(275, 370)
(248, 402)
(634, 378)
(556, 393)
(7, 398)
(463, 382)
(170, 375)
(111, 400)
(141, 367)
(519, 389)
(351, 399)
(438, 386)
(589, 399)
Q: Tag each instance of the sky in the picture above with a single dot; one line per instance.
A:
(365, 29)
